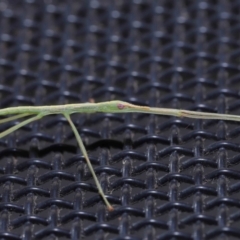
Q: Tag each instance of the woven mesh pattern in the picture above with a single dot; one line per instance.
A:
(167, 178)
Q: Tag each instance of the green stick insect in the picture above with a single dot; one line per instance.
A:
(39, 112)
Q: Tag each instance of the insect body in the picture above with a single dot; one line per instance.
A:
(37, 112)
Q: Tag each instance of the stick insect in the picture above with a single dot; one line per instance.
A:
(38, 112)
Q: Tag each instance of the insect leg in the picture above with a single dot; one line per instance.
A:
(8, 119)
(19, 125)
(84, 151)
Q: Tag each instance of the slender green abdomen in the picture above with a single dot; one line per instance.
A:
(19, 110)
(46, 110)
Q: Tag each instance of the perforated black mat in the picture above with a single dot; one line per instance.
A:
(167, 178)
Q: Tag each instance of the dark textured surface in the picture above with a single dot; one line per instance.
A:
(167, 178)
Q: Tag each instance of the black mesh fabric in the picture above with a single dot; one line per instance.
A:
(166, 177)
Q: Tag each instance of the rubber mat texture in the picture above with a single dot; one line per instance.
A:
(166, 177)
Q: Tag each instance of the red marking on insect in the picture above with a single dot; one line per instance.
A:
(121, 106)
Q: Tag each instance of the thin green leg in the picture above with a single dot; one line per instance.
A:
(83, 149)
(21, 124)
(4, 120)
